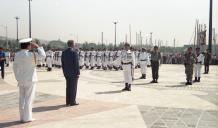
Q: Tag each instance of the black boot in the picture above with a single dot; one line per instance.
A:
(126, 87)
(142, 77)
(199, 79)
(196, 80)
(187, 83)
(129, 87)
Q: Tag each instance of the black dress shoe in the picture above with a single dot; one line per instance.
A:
(153, 81)
(74, 104)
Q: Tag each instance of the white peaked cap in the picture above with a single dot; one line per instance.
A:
(26, 40)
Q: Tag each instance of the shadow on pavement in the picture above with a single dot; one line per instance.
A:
(182, 84)
(110, 92)
(144, 84)
(10, 124)
(117, 82)
(47, 108)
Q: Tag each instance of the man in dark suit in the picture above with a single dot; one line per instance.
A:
(71, 70)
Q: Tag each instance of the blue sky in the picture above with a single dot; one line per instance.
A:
(86, 19)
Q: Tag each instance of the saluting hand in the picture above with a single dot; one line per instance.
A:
(34, 45)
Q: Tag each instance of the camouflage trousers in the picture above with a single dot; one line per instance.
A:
(189, 72)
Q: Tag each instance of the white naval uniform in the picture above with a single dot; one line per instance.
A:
(143, 60)
(133, 65)
(59, 58)
(25, 73)
(38, 60)
(87, 58)
(137, 62)
(198, 65)
(81, 58)
(149, 59)
(7, 58)
(99, 58)
(49, 58)
(111, 59)
(118, 63)
(105, 59)
(127, 60)
(92, 58)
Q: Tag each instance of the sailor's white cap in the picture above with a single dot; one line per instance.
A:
(26, 40)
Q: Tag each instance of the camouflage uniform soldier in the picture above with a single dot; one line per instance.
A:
(189, 60)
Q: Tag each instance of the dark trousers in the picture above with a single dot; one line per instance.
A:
(155, 69)
(2, 64)
(71, 89)
(206, 68)
(189, 72)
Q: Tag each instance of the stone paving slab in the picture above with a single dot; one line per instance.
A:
(175, 117)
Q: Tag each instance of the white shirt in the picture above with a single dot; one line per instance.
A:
(200, 58)
(50, 54)
(143, 56)
(25, 65)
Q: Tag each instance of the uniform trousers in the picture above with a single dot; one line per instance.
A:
(206, 67)
(81, 62)
(197, 70)
(98, 61)
(27, 94)
(92, 62)
(49, 62)
(127, 72)
(155, 69)
(143, 66)
(189, 71)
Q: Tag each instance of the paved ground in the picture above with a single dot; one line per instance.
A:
(168, 104)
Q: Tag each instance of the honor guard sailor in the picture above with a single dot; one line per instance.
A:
(87, 59)
(81, 58)
(143, 60)
(7, 58)
(25, 73)
(49, 59)
(127, 61)
(198, 65)
(99, 58)
(105, 59)
(92, 58)
(59, 59)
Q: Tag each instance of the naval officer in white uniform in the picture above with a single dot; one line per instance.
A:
(25, 73)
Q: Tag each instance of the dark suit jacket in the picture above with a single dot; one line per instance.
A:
(70, 63)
